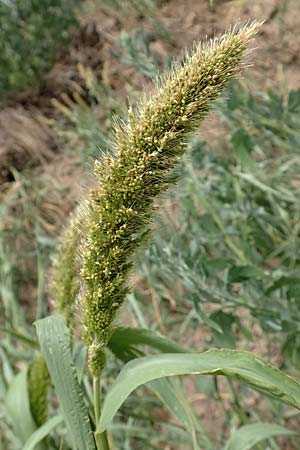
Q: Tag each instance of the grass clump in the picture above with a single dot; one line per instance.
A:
(35, 28)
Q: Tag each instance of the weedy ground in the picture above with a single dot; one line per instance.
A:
(223, 268)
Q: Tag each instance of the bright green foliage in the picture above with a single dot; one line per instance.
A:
(30, 32)
(38, 385)
(55, 342)
(147, 149)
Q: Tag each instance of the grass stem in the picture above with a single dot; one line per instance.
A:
(100, 438)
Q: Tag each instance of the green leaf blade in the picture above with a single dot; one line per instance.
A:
(249, 435)
(128, 336)
(243, 366)
(123, 344)
(18, 406)
(42, 432)
(55, 345)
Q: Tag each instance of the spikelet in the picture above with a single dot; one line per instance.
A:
(38, 386)
(147, 148)
(64, 278)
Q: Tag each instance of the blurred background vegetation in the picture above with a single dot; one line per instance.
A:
(223, 267)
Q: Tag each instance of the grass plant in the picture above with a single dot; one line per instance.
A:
(223, 258)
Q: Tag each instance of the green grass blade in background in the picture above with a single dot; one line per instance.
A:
(123, 344)
(249, 435)
(42, 432)
(18, 407)
(174, 398)
(240, 365)
(128, 336)
(55, 345)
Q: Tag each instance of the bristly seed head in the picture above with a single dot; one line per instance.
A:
(65, 284)
(147, 149)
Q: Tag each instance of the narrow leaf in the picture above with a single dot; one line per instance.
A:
(249, 435)
(18, 406)
(174, 398)
(123, 343)
(243, 366)
(128, 336)
(42, 432)
(54, 339)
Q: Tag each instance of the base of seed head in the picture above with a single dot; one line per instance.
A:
(96, 359)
